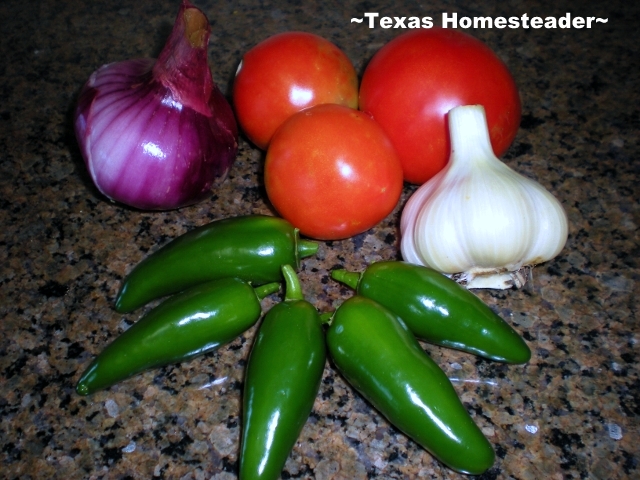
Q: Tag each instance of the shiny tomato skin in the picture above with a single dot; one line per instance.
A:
(286, 73)
(332, 172)
(414, 80)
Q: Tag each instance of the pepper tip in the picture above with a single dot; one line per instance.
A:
(82, 389)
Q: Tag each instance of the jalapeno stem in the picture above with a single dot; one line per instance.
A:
(267, 289)
(293, 289)
(350, 279)
(306, 248)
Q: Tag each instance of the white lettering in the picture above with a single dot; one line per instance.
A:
(465, 22)
(386, 22)
(446, 20)
(399, 22)
(427, 22)
(482, 22)
(452, 20)
(414, 22)
(372, 16)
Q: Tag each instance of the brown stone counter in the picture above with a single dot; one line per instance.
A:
(570, 413)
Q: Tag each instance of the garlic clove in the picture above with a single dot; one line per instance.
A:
(409, 214)
(478, 219)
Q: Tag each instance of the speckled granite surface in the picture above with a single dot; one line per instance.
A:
(571, 412)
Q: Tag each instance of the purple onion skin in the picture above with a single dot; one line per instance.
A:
(158, 134)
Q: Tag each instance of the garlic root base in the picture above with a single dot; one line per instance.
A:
(495, 280)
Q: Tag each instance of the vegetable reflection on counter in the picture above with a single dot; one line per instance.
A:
(251, 247)
(157, 134)
(282, 381)
(478, 218)
(189, 324)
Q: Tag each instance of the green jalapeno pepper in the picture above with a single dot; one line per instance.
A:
(382, 359)
(252, 248)
(191, 323)
(282, 381)
(438, 310)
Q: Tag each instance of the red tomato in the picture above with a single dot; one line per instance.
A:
(332, 172)
(414, 80)
(285, 74)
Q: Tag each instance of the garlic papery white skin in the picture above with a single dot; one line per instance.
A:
(478, 220)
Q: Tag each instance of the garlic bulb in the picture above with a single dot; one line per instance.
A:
(477, 219)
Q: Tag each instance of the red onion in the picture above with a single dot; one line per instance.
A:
(157, 134)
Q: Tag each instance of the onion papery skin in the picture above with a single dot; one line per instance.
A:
(151, 140)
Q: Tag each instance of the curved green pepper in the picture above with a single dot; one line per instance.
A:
(184, 326)
(282, 381)
(252, 248)
(438, 310)
(381, 358)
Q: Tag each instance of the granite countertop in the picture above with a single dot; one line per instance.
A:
(571, 412)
